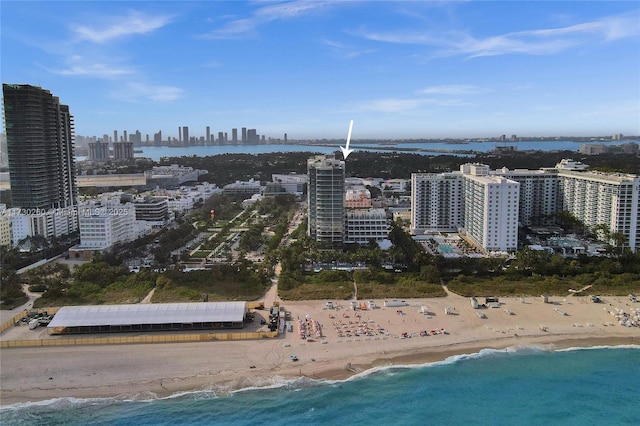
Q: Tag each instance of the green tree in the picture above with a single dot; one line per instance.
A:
(430, 274)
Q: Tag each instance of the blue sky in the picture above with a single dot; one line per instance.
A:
(399, 69)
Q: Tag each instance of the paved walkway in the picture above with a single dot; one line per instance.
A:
(7, 314)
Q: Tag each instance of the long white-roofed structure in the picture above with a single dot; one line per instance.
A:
(148, 317)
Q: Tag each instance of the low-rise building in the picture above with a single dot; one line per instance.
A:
(45, 223)
(172, 176)
(292, 183)
(242, 188)
(357, 198)
(362, 226)
(105, 222)
(154, 210)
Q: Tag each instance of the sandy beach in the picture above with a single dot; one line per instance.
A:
(344, 349)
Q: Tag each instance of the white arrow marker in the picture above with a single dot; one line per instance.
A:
(345, 150)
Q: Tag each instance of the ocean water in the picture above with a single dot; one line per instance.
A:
(526, 386)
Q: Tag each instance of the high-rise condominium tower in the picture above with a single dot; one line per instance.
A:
(40, 139)
(185, 135)
(326, 200)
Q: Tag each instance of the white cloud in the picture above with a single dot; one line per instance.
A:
(245, 27)
(453, 89)
(290, 9)
(235, 29)
(610, 28)
(137, 92)
(135, 23)
(84, 67)
(417, 103)
(532, 42)
(346, 51)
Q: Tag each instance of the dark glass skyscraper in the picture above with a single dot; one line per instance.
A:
(40, 138)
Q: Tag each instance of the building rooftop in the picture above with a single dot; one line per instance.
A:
(155, 313)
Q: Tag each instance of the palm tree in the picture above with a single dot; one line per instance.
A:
(602, 232)
(619, 240)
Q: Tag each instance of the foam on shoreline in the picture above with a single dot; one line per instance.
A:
(259, 383)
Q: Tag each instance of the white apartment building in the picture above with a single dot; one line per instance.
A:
(291, 183)
(436, 202)
(490, 209)
(106, 222)
(249, 187)
(486, 198)
(538, 194)
(363, 226)
(46, 223)
(596, 198)
(206, 189)
(180, 204)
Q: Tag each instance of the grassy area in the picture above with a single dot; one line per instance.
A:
(332, 291)
(407, 289)
(602, 284)
(99, 283)
(383, 285)
(201, 254)
(11, 295)
(336, 285)
(123, 289)
(123, 293)
(222, 283)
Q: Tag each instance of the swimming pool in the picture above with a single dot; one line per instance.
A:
(445, 248)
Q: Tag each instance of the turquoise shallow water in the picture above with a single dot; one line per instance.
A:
(512, 387)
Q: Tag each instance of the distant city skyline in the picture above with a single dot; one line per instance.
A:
(399, 69)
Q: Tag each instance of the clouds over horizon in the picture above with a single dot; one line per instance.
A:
(95, 52)
(138, 91)
(529, 42)
(446, 95)
(246, 27)
(397, 67)
(116, 27)
(79, 66)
